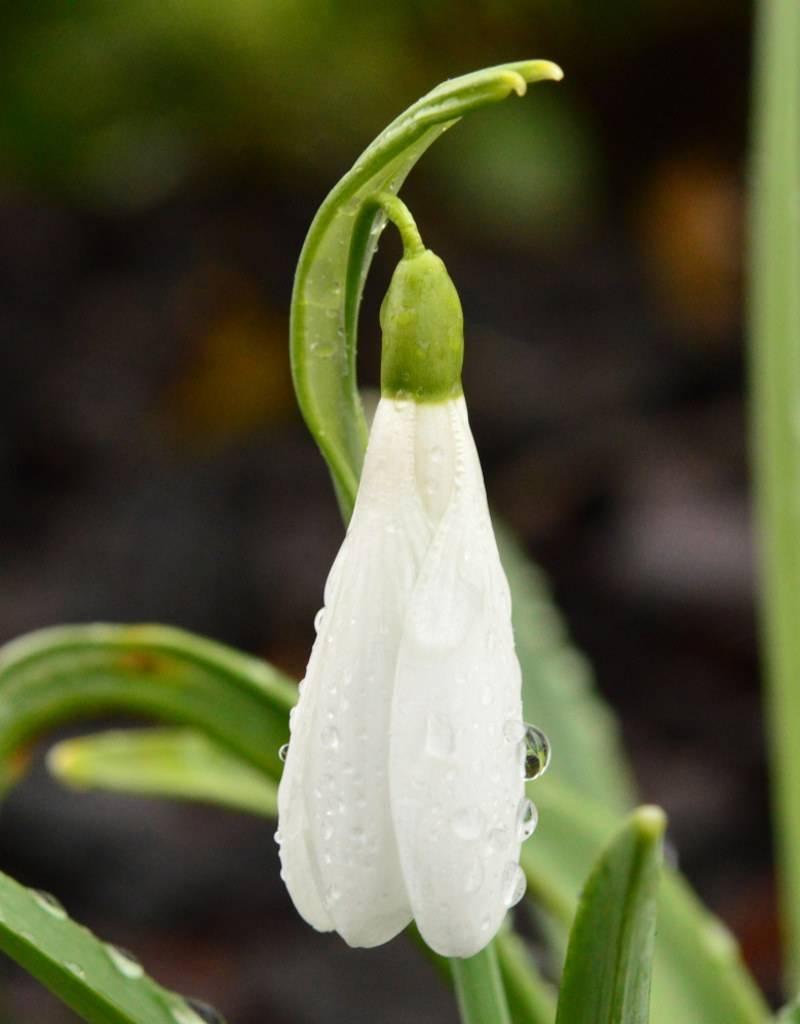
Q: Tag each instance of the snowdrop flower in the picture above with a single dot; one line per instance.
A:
(403, 789)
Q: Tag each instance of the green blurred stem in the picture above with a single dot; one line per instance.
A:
(775, 368)
(479, 989)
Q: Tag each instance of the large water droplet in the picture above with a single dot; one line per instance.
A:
(125, 962)
(439, 740)
(527, 819)
(283, 752)
(330, 737)
(537, 753)
(513, 884)
(50, 904)
(468, 823)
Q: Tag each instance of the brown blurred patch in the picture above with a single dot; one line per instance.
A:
(690, 233)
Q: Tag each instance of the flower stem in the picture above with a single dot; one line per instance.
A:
(402, 218)
(479, 989)
(775, 373)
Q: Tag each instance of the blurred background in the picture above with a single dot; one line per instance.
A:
(160, 163)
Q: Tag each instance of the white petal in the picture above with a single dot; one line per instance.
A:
(456, 775)
(338, 849)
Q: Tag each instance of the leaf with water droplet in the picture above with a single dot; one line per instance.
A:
(100, 983)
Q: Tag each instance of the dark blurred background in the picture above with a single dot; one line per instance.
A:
(160, 162)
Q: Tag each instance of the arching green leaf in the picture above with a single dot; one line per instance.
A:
(72, 672)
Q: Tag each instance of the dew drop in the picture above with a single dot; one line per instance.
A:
(75, 969)
(400, 398)
(468, 823)
(49, 903)
(440, 740)
(278, 837)
(485, 924)
(283, 752)
(206, 1013)
(513, 884)
(330, 737)
(332, 895)
(125, 962)
(537, 753)
(318, 620)
(514, 730)
(327, 831)
(527, 819)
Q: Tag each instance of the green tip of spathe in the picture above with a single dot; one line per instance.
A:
(423, 332)
(538, 71)
(650, 821)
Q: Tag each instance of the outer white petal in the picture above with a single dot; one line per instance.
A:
(338, 848)
(455, 760)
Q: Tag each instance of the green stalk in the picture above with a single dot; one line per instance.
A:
(479, 989)
(775, 368)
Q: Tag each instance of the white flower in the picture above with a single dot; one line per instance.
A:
(403, 793)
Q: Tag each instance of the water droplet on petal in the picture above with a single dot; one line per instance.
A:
(514, 730)
(527, 819)
(537, 753)
(513, 884)
(468, 823)
(318, 620)
(440, 740)
(49, 903)
(332, 895)
(76, 969)
(278, 837)
(485, 924)
(330, 737)
(400, 399)
(125, 962)
(283, 752)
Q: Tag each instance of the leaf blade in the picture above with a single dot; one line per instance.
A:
(609, 959)
(172, 763)
(71, 672)
(101, 984)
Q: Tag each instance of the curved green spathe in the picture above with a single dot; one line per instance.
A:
(339, 248)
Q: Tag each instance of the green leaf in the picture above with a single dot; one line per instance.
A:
(698, 973)
(531, 1000)
(175, 763)
(775, 373)
(339, 248)
(72, 672)
(99, 982)
(609, 959)
(789, 1014)
(558, 692)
